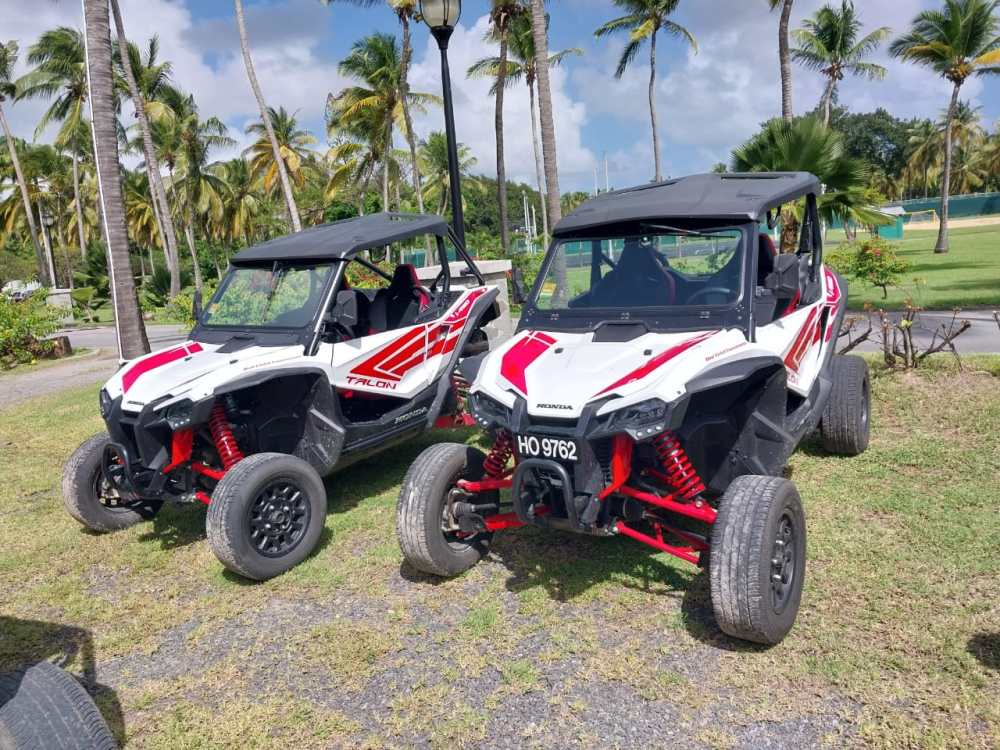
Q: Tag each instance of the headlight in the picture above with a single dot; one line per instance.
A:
(641, 420)
(178, 415)
(104, 400)
(488, 410)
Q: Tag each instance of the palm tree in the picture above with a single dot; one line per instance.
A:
(502, 13)
(784, 57)
(645, 19)
(521, 66)
(807, 145)
(286, 187)
(201, 189)
(434, 162)
(141, 214)
(828, 42)
(966, 126)
(60, 72)
(293, 145)
(241, 204)
(154, 75)
(372, 109)
(8, 91)
(132, 340)
(923, 141)
(540, 35)
(956, 42)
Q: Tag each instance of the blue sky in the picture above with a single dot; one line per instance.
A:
(708, 102)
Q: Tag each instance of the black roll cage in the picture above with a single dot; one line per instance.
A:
(308, 334)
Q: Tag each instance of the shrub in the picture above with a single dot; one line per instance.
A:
(23, 326)
(179, 309)
(871, 260)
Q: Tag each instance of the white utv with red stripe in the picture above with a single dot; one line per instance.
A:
(290, 373)
(667, 364)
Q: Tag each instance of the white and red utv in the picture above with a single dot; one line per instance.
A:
(290, 373)
(667, 364)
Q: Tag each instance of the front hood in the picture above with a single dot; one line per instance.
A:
(190, 370)
(559, 373)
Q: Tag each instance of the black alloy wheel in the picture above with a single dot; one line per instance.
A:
(278, 518)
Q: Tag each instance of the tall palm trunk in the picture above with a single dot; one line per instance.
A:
(78, 204)
(826, 103)
(652, 108)
(25, 200)
(161, 209)
(189, 236)
(404, 92)
(539, 169)
(784, 57)
(942, 239)
(286, 185)
(132, 341)
(539, 34)
(385, 164)
(498, 128)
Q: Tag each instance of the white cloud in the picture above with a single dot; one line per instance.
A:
(206, 57)
(711, 101)
(475, 107)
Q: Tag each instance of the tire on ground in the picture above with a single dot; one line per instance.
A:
(228, 519)
(48, 708)
(421, 506)
(845, 424)
(80, 484)
(744, 554)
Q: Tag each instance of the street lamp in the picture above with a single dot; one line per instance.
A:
(441, 16)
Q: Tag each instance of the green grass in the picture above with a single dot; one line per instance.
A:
(967, 276)
(898, 637)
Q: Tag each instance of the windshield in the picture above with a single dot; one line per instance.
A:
(663, 268)
(279, 296)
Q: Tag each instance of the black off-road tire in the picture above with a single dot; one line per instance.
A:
(845, 424)
(422, 502)
(47, 708)
(80, 486)
(753, 514)
(236, 498)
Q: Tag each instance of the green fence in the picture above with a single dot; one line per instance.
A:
(976, 204)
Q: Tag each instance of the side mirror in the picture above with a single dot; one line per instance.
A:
(196, 306)
(518, 295)
(345, 310)
(784, 279)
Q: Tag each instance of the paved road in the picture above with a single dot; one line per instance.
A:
(982, 338)
(17, 387)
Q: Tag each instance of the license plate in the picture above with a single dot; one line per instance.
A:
(558, 449)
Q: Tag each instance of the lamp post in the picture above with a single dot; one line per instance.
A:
(47, 220)
(441, 17)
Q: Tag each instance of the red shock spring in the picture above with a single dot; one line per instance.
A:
(677, 466)
(225, 443)
(496, 461)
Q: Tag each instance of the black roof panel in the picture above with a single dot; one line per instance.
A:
(343, 239)
(734, 195)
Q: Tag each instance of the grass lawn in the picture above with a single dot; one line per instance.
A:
(967, 276)
(556, 640)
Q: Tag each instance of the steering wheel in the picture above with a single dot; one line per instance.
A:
(709, 290)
